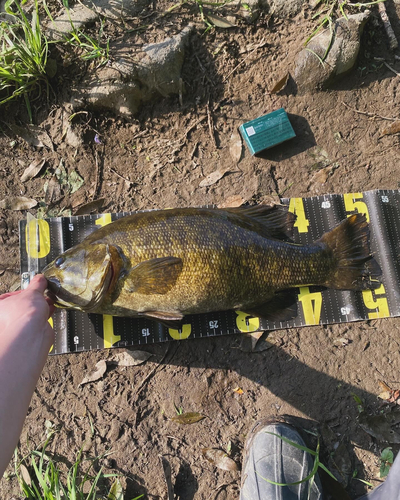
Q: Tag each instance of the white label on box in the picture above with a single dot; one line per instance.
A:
(250, 131)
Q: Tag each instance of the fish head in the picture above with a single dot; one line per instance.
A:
(81, 277)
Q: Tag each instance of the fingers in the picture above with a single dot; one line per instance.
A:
(51, 305)
(39, 283)
(9, 294)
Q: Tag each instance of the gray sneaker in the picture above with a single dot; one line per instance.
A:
(269, 457)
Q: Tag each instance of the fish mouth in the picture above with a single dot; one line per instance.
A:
(54, 285)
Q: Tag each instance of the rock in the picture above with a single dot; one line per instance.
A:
(282, 8)
(135, 77)
(80, 16)
(88, 11)
(117, 9)
(310, 73)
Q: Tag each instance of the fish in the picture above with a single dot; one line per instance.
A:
(166, 264)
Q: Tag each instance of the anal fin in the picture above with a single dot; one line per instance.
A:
(281, 307)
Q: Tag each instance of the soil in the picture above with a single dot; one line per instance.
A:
(157, 160)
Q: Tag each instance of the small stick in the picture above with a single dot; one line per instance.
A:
(372, 115)
(211, 126)
(121, 176)
(393, 43)
(382, 60)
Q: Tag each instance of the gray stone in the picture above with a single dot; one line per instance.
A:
(117, 9)
(134, 78)
(88, 11)
(310, 73)
(282, 8)
(76, 18)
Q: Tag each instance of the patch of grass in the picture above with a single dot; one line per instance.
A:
(200, 4)
(329, 11)
(23, 55)
(42, 478)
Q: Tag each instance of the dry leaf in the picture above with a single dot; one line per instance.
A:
(384, 386)
(25, 474)
(394, 396)
(385, 395)
(101, 368)
(52, 191)
(33, 135)
(238, 390)
(236, 146)
(130, 358)
(220, 459)
(116, 491)
(219, 21)
(232, 202)
(213, 178)
(393, 128)
(188, 418)
(17, 203)
(280, 84)
(32, 171)
(92, 206)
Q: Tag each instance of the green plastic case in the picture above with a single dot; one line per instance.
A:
(267, 131)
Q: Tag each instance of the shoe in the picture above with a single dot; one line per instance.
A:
(267, 456)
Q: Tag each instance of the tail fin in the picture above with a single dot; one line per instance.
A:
(354, 266)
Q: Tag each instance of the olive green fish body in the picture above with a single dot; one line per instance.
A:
(166, 264)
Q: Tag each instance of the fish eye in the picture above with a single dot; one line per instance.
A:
(59, 261)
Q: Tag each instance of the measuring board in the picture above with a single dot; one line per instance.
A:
(41, 241)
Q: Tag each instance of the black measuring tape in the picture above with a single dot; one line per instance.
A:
(42, 240)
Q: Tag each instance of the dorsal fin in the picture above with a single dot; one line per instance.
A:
(276, 220)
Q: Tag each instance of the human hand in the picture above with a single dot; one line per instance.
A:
(24, 315)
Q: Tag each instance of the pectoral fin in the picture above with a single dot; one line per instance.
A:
(164, 316)
(155, 276)
(281, 307)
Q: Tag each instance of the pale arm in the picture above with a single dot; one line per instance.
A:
(25, 340)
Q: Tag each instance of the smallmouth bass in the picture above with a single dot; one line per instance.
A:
(165, 264)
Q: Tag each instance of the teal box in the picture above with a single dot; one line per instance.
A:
(267, 131)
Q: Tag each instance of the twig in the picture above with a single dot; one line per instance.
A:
(372, 115)
(97, 175)
(261, 44)
(211, 126)
(382, 60)
(393, 43)
(121, 176)
(391, 69)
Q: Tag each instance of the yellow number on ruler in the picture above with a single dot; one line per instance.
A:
(352, 203)
(182, 333)
(296, 206)
(103, 220)
(51, 324)
(245, 323)
(37, 236)
(108, 332)
(312, 305)
(381, 304)
(108, 324)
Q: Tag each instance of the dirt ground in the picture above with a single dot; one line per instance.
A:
(157, 160)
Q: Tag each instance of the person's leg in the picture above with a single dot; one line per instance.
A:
(390, 489)
(267, 456)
